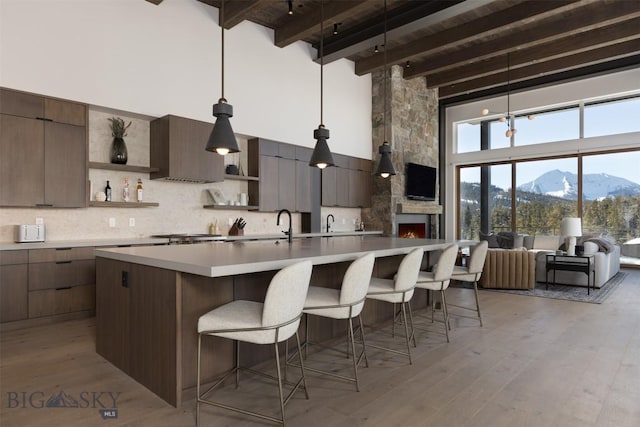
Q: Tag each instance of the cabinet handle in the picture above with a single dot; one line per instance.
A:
(63, 249)
(63, 262)
(63, 289)
(44, 205)
(44, 119)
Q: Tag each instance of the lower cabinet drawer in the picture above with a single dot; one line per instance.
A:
(52, 275)
(63, 300)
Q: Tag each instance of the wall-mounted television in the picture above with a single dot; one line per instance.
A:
(421, 182)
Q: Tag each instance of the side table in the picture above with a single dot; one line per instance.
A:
(580, 263)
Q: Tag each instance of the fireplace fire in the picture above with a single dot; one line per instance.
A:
(412, 231)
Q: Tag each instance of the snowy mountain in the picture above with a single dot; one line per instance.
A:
(595, 186)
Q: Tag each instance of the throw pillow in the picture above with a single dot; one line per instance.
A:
(491, 238)
(505, 240)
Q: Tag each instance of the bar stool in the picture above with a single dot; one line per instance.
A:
(472, 273)
(344, 303)
(271, 322)
(439, 280)
(399, 290)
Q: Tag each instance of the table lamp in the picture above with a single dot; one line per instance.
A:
(570, 229)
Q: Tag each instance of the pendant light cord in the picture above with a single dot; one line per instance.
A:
(384, 77)
(222, 50)
(509, 92)
(321, 60)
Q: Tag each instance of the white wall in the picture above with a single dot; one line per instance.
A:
(621, 83)
(134, 56)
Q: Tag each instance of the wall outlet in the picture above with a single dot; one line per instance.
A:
(112, 222)
(344, 221)
(132, 222)
(39, 221)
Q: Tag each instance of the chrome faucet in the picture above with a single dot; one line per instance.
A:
(332, 220)
(289, 233)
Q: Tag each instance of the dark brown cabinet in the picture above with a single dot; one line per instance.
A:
(13, 285)
(359, 183)
(303, 179)
(135, 301)
(177, 149)
(61, 281)
(43, 151)
(284, 183)
(348, 183)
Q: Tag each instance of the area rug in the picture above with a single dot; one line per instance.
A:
(570, 293)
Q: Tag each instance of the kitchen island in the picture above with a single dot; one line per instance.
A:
(149, 299)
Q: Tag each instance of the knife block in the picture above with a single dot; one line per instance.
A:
(235, 231)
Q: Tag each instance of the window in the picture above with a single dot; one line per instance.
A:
(468, 137)
(469, 203)
(611, 195)
(612, 117)
(546, 192)
(551, 126)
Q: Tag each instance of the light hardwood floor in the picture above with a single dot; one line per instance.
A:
(536, 362)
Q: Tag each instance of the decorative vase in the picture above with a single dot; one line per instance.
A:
(118, 151)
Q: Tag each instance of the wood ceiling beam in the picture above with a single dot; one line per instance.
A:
(558, 65)
(576, 43)
(401, 21)
(590, 17)
(309, 23)
(460, 34)
(237, 11)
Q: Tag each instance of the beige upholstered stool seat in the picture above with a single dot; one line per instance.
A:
(242, 316)
(330, 298)
(383, 290)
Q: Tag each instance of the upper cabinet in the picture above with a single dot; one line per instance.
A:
(348, 183)
(43, 151)
(178, 150)
(285, 176)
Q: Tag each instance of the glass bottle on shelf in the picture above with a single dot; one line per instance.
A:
(126, 194)
(107, 192)
(139, 190)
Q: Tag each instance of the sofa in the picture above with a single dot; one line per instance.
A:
(606, 258)
(516, 261)
(509, 269)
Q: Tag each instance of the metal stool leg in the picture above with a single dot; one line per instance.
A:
(445, 313)
(406, 331)
(198, 383)
(475, 288)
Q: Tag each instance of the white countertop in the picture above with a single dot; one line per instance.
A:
(53, 244)
(217, 259)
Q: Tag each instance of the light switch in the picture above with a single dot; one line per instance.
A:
(112, 222)
(132, 222)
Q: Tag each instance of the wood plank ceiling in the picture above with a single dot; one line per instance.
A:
(465, 48)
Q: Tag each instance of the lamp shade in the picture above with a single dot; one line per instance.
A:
(222, 139)
(321, 157)
(385, 165)
(571, 227)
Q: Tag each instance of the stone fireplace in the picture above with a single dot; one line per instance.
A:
(412, 131)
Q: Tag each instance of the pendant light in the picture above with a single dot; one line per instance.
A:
(222, 139)
(385, 166)
(507, 118)
(511, 130)
(321, 157)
